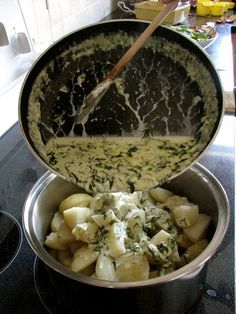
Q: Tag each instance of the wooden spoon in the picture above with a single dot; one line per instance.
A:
(93, 98)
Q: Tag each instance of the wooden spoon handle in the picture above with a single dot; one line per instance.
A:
(141, 40)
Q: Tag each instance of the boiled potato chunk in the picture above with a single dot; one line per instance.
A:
(127, 236)
(75, 200)
(104, 220)
(105, 268)
(183, 241)
(147, 199)
(174, 256)
(74, 246)
(166, 268)
(132, 267)
(57, 221)
(89, 271)
(75, 215)
(104, 201)
(186, 215)
(85, 232)
(198, 230)
(175, 200)
(125, 202)
(164, 242)
(116, 236)
(65, 257)
(183, 261)
(53, 242)
(194, 250)
(160, 194)
(82, 258)
(65, 235)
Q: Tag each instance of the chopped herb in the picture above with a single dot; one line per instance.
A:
(131, 150)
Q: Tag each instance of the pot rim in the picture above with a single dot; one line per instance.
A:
(187, 270)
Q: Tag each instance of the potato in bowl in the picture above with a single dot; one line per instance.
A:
(127, 236)
(197, 184)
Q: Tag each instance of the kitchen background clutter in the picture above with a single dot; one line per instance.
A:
(3, 36)
(27, 28)
(27, 285)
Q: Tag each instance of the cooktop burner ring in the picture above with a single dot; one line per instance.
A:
(11, 237)
(37, 283)
(61, 294)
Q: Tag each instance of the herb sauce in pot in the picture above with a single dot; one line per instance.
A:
(103, 164)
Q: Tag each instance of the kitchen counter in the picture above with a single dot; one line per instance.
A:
(221, 53)
(20, 170)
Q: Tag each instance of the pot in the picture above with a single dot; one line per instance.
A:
(197, 184)
(170, 88)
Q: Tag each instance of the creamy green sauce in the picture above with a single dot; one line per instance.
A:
(102, 164)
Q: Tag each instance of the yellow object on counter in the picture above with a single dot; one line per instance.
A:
(204, 8)
(148, 10)
(230, 5)
(213, 8)
(219, 8)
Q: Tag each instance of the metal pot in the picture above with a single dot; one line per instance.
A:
(197, 183)
(174, 78)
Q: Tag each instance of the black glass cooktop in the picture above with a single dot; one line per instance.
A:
(10, 240)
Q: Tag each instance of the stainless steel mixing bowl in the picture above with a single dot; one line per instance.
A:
(197, 183)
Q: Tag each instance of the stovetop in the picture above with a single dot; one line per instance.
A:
(27, 285)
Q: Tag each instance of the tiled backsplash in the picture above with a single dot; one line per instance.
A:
(31, 26)
(49, 20)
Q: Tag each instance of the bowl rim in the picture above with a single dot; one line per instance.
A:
(204, 44)
(188, 270)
